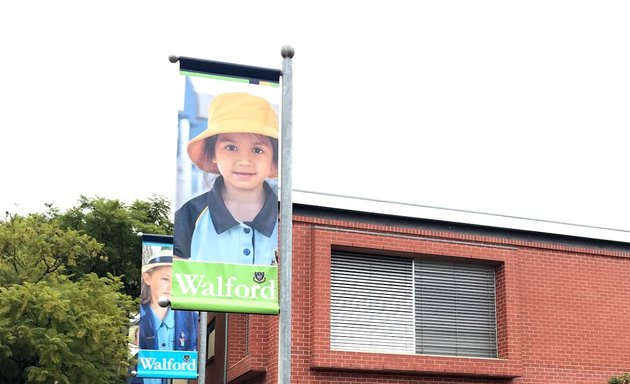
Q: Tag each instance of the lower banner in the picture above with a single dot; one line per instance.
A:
(223, 287)
(166, 338)
(167, 364)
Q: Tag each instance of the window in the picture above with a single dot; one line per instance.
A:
(405, 305)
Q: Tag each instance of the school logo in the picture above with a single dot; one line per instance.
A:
(186, 358)
(259, 277)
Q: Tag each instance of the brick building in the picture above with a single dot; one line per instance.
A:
(381, 298)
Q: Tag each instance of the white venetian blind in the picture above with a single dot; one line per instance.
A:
(455, 309)
(371, 300)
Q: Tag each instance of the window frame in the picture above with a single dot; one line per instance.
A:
(376, 305)
(326, 239)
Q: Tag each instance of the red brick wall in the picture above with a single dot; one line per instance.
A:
(563, 313)
(238, 332)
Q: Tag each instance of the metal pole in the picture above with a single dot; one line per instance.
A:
(225, 348)
(286, 220)
(203, 347)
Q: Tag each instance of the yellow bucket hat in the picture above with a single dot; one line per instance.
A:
(233, 113)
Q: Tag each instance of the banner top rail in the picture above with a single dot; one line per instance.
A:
(155, 238)
(226, 69)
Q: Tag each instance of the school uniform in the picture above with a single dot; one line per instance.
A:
(206, 231)
(176, 332)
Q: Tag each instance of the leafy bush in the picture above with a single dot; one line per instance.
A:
(623, 379)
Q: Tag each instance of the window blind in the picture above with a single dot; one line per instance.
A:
(455, 309)
(405, 305)
(371, 303)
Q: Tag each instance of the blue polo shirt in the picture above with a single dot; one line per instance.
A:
(165, 330)
(206, 231)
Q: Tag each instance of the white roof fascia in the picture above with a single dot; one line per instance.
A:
(457, 216)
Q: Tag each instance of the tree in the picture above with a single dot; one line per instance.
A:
(116, 225)
(623, 379)
(56, 324)
(33, 248)
(57, 330)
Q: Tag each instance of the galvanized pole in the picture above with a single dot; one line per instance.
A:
(286, 220)
(225, 347)
(203, 347)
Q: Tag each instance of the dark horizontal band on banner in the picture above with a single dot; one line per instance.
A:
(150, 238)
(228, 69)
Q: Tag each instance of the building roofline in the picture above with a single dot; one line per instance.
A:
(469, 222)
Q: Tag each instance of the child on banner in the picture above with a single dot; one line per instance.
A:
(162, 328)
(237, 220)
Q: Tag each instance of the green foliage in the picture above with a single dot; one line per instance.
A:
(623, 379)
(64, 285)
(116, 226)
(33, 248)
(57, 330)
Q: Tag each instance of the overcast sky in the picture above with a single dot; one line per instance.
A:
(501, 107)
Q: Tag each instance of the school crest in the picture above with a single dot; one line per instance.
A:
(259, 277)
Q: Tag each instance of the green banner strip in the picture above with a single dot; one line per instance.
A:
(227, 78)
(222, 287)
(211, 76)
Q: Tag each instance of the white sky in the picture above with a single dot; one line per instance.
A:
(502, 107)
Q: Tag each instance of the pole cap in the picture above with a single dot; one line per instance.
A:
(287, 51)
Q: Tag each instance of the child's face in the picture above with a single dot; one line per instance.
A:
(160, 282)
(244, 160)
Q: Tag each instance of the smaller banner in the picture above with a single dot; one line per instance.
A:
(167, 364)
(224, 287)
(167, 338)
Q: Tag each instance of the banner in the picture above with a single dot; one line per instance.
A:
(226, 287)
(226, 204)
(167, 364)
(166, 338)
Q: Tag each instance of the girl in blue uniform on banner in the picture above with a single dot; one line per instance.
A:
(162, 328)
(237, 220)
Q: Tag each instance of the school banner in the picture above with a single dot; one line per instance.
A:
(227, 287)
(226, 205)
(166, 338)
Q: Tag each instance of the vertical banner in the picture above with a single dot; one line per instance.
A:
(167, 338)
(226, 204)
